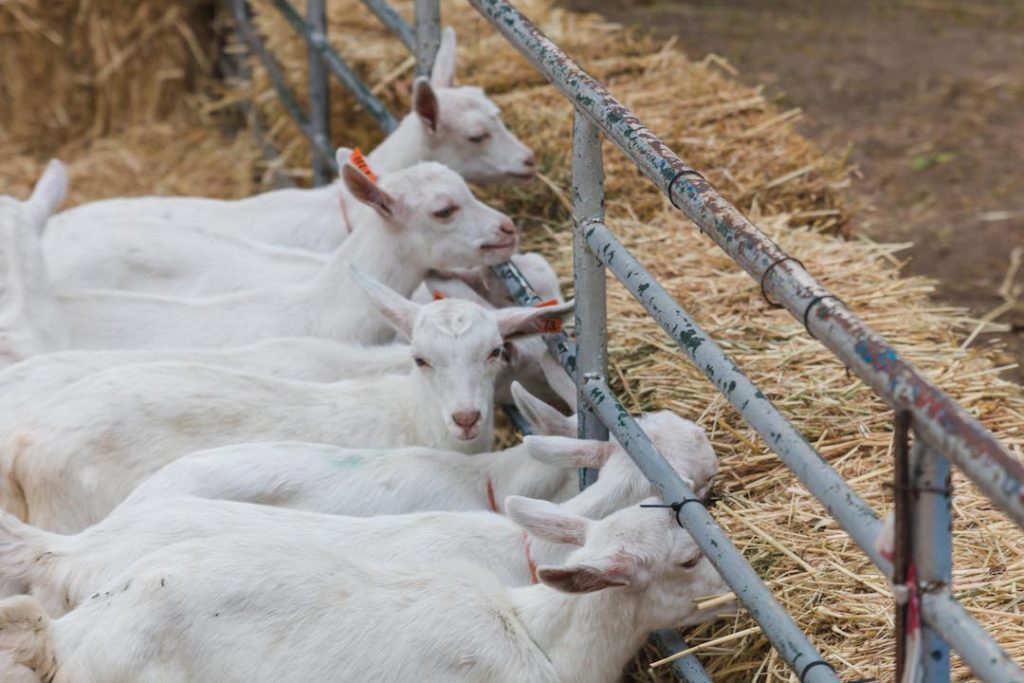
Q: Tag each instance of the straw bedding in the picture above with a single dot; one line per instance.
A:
(746, 147)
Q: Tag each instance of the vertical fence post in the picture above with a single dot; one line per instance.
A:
(319, 110)
(933, 553)
(428, 34)
(588, 276)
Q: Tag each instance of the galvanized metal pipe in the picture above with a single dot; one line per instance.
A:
(588, 278)
(288, 100)
(686, 668)
(337, 66)
(932, 547)
(667, 640)
(394, 21)
(319, 110)
(428, 34)
(940, 421)
(780, 629)
(839, 499)
(975, 646)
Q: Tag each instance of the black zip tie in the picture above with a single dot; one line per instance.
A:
(671, 185)
(675, 507)
(817, 662)
(814, 302)
(764, 276)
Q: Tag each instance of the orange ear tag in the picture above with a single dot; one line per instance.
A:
(357, 159)
(438, 295)
(549, 325)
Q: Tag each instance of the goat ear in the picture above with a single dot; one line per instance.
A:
(545, 520)
(341, 155)
(563, 451)
(368, 192)
(519, 322)
(443, 73)
(586, 577)
(559, 380)
(48, 193)
(543, 419)
(424, 103)
(399, 311)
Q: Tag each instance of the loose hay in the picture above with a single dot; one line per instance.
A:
(748, 149)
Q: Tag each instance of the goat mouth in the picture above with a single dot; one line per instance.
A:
(523, 176)
(508, 244)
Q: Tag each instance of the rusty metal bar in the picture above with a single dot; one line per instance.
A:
(588, 276)
(940, 421)
(337, 66)
(394, 21)
(903, 537)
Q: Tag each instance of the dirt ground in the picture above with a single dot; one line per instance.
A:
(926, 97)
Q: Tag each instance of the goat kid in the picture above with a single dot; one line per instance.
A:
(459, 127)
(68, 460)
(203, 606)
(418, 219)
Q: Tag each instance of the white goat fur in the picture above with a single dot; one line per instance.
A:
(359, 483)
(459, 127)
(398, 242)
(67, 460)
(30, 319)
(199, 609)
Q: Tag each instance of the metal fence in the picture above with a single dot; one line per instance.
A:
(943, 431)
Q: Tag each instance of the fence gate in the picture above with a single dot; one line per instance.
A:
(943, 431)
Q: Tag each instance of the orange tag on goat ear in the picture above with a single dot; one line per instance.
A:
(549, 325)
(438, 295)
(357, 159)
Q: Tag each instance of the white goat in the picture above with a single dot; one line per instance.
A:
(66, 461)
(360, 482)
(201, 608)
(30, 319)
(297, 358)
(459, 127)
(417, 219)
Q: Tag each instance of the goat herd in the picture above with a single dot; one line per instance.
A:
(217, 465)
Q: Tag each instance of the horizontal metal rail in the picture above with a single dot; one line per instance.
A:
(317, 41)
(776, 624)
(838, 497)
(938, 419)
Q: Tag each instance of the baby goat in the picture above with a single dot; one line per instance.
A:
(66, 461)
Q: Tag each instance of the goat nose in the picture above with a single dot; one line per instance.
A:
(530, 161)
(466, 418)
(507, 227)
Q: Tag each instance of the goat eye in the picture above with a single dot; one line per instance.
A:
(421, 362)
(496, 353)
(477, 139)
(446, 212)
(690, 564)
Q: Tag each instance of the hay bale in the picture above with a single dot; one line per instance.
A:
(70, 69)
